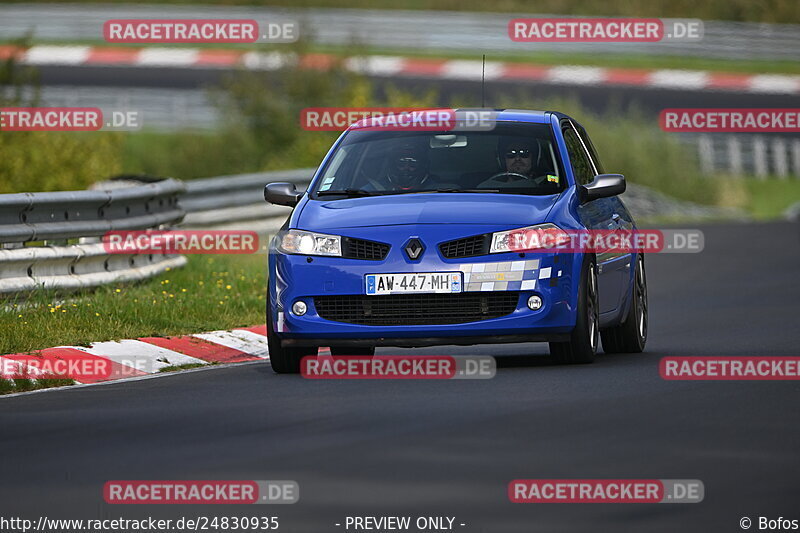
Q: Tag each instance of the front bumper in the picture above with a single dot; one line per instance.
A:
(550, 276)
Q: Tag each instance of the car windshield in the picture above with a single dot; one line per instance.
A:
(514, 158)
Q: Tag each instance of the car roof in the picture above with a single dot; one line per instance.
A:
(523, 115)
(503, 115)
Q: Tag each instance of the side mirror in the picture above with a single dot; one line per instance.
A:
(282, 193)
(602, 186)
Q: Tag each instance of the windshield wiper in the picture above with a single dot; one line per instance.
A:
(347, 192)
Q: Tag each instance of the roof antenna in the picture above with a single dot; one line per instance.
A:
(483, 82)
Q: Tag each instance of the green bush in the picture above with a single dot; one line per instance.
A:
(48, 161)
(51, 161)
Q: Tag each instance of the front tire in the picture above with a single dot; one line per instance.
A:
(284, 360)
(631, 335)
(584, 339)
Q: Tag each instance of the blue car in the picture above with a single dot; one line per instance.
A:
(405, 238)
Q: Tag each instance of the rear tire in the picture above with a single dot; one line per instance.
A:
(284, 360)
(631, 335)
(584, 339)
(358, 350)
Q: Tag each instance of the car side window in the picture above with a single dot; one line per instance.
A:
(592, 151)
(581, 165)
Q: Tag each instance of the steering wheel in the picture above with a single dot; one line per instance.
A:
(513, 176)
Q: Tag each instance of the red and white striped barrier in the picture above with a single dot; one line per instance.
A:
(140, 357)
(392, 66)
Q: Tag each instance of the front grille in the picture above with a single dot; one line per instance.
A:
(466, 247)
(416, 309)
(363, 249)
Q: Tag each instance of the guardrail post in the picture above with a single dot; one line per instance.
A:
(760, 157)
(779, 157)
(705, 149)
(735, 155)
(796, 157)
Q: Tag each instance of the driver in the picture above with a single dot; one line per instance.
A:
(517, 157)
(406, 170)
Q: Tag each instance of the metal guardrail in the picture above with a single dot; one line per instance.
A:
(26, 217)
(227, 199)
(54, 218)
(749, 155)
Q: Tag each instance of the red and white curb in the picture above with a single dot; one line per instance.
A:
(391, 66)
(146, 356)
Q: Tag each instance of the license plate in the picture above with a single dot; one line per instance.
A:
(419, 282)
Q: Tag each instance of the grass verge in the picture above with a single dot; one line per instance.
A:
(769, 198)
(210, 293)
(11, 386)
(187, 366)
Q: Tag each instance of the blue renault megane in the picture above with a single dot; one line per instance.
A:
(403, 238)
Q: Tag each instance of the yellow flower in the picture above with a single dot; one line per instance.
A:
(52, 310)
(168, 269)
(97, 314)
(221, 302)
(228, 287)
(118, 290)
(183, 290)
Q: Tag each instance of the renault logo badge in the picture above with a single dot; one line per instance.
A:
(414, 249)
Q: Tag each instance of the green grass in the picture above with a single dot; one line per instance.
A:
(784, 11)
(10, 386)
(769, 198)
(187, 366)
(210, 293)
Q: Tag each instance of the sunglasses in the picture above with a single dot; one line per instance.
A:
(524, 153)
(406, 162)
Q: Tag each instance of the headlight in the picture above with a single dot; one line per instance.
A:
(539, 237)
(296, 241)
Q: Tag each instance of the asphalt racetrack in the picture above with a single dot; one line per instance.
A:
(450, 448)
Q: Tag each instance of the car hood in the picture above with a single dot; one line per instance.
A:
(438, 208)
